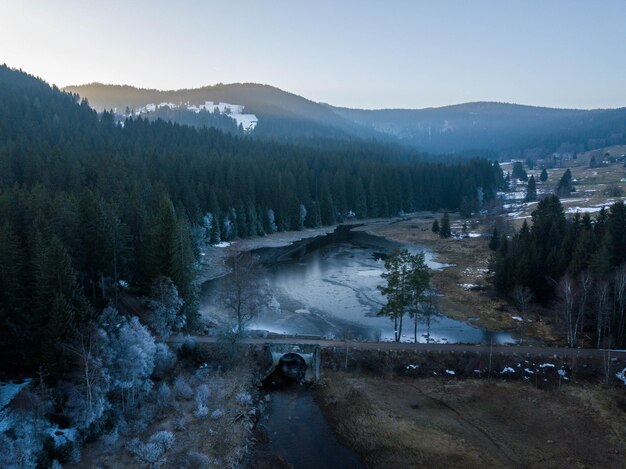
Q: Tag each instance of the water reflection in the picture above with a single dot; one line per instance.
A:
(300, 435)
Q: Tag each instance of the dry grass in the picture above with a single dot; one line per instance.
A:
(472, 423)
(468, 260)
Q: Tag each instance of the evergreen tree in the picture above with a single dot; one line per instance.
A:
(519, 172)
(444, 226)
(565, 188)
(435, 228)
(397, 289)
(494, 242)
(544, 175)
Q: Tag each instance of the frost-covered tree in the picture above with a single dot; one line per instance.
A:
(271, 221)
(87, 396)
(153, 453)
(164, 360)
(130, 359)
(165, 306)
(182, 389)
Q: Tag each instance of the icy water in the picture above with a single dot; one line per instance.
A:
(299, 434)
(328, 287)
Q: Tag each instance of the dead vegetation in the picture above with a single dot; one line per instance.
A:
(436, 422)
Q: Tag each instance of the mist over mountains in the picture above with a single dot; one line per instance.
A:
(478, 128)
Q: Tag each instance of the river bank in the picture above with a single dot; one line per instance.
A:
(467, 295)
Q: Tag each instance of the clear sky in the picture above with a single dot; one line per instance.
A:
(357, 53)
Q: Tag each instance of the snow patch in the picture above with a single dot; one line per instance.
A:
(450, 372)
(507, 369)
(223, 244)
(621, 375)
(234, 111)
(9, 390)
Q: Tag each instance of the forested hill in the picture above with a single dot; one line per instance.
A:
(502, 129)
(484, 128)
(280, 114)
(88, 206)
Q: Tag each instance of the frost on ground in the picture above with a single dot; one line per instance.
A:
(202, 416)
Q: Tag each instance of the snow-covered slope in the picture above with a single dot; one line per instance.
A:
(234, 111)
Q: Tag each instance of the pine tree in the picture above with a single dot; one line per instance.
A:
(544, 175)
(397, 289)
(565, 188)
(435, 228)
(444, 226)
(531, 190)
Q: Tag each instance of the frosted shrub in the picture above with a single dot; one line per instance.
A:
(201, 410)
(202, 393)
(180, 424)
(153, 453)
(217, 414)
(110, 439)
(244, 398)
(182, 389)
(164, 396)
(197, 460)
(164, 360)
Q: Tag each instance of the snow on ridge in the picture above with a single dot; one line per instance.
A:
(234, 111)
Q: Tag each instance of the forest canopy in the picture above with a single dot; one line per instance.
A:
(88, 205)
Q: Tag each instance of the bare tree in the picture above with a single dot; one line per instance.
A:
(522, 296)
(244, 291)
(430, 309)
(602, 291)
(585, 282)
(566, 290)
(619, 315)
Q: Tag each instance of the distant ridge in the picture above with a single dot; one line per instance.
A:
(483, 127)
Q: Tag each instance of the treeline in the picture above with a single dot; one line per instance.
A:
(88, 207)
(578, 266)
(204, 118)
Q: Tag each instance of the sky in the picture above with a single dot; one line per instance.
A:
(354, 53)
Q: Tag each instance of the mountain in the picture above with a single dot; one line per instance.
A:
(495, 129)
(279, 114)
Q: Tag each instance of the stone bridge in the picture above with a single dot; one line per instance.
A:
(298, 360)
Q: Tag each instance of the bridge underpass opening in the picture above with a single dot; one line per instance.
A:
(292, 366)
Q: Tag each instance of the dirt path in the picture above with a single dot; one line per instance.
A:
(457, 348)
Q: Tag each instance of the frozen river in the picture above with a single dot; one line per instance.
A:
(328, 287)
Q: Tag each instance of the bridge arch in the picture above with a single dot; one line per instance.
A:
(300, 362)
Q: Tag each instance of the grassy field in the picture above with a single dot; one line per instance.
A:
(592, 185)
(463, 283)
(438, 422)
